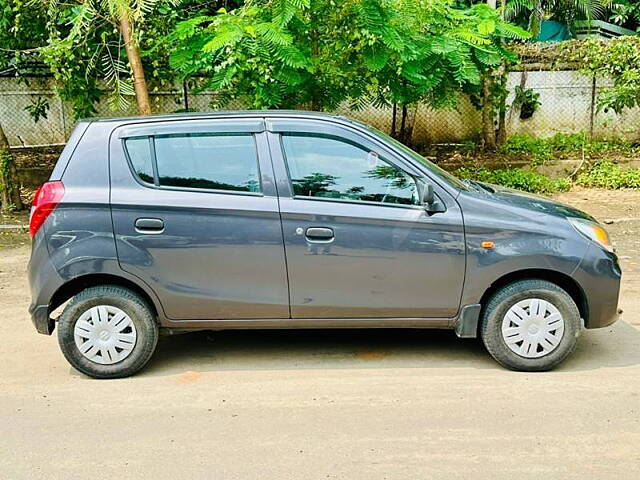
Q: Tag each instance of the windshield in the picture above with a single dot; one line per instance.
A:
(433, 168)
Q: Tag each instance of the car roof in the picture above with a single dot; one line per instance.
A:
(224, 114)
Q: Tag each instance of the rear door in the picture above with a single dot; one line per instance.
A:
(195, 215)
(358, 244)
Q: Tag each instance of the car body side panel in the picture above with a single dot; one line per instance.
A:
(79, 232)
(385, 261)
(220, 254)
(547, 243)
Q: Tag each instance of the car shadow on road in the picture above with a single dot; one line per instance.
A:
(616, 346)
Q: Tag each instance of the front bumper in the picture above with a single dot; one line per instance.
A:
(41, 320)
(599, 275)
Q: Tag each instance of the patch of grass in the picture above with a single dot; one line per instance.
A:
(575, 142)
(538, 149)
(562, 144)
(519, 179)
(609, 175)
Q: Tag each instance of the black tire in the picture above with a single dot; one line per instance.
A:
(502, 300)
(129, 302)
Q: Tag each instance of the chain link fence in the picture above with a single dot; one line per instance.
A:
(568, 104)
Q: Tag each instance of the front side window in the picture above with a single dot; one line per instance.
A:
(328, 167)
(199, 161)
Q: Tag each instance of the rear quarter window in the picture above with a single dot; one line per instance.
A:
(139, 153)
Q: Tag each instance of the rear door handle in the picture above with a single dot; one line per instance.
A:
(319, 234)
(149, 225)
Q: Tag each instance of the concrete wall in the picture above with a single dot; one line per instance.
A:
(566, 98)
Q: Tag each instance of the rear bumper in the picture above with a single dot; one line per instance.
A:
(44, 280)
(599, 276)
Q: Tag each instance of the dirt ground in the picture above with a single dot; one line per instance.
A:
(327, 404)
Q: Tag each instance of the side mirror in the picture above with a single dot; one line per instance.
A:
(428, 199)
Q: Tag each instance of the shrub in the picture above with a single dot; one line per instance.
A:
(609, 175)
(538, 148)
(519, 179)
(575, 142)
(541, 149)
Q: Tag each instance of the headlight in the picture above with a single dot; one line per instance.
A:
(593, 231)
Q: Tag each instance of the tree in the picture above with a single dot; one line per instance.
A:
(10, 194)
(296, 53)
(87, 40)
(463, 47)
(275, 54)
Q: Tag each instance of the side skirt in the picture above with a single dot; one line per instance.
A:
(289, 323)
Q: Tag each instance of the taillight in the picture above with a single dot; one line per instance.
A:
(45, 201)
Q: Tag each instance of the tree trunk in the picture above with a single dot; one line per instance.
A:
(488, 129)
(133, 54)
(411, 117)
(501, 133)
(403, 123)
(394, 119)
(10, 194)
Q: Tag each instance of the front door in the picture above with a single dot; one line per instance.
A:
(195, 215)
(357, 242)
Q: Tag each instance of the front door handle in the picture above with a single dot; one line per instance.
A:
(319, 234)
(149, 225)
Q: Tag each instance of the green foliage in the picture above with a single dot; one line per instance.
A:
(291, 53)
(83, 44)
(528, 100)
(572, 143)
(538, 149)
(617, 59)
(22, 28)
(609, 175)
(38, 108)
(531, 13)
(564, 144)
(626, 13)
(518, 179)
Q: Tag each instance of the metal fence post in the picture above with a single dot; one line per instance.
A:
(592, 108)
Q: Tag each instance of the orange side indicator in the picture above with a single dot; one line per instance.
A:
(487, 244)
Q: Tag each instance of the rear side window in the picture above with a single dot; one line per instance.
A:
(198, 161)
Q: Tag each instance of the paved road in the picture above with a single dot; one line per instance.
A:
(315, 405)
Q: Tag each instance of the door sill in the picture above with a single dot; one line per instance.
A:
(294, 323)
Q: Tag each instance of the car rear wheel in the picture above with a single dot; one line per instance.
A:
(530, 325)
(107, 332)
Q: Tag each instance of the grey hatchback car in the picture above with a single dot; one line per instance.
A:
(237, 220)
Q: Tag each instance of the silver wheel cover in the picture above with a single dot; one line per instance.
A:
(533, 328)
(105, 334)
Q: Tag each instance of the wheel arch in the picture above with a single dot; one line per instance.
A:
(74, 286)
(562, 280)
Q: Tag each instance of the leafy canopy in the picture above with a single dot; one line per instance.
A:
(292, 53)
(615, 59)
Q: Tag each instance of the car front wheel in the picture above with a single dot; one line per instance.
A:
(530, 325)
